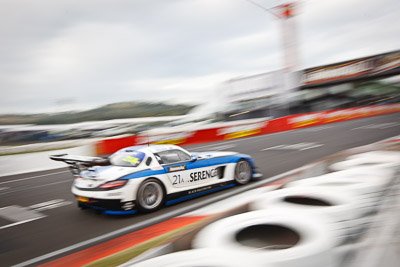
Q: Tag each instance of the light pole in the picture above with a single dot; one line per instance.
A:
(291, 62)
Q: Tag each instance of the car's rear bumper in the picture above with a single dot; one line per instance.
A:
(107, 206)
(106, 211)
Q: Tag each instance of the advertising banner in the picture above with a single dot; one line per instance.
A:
(337, 72)
(241, 130)
(292, 122)
(368, 67)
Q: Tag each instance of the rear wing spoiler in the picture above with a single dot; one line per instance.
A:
(80, 163)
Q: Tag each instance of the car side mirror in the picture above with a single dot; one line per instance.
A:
(193, 158)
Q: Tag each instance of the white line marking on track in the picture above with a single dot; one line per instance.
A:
(4, 188)
(18, 223)
(379, 126)
(315, 129)
(18, 215)
(299, 146)
(57, 205)
(33, 187)
(310, 147)
(273, 147)
(33, 177)
(52, 204)
(363, 127)
(39, 205)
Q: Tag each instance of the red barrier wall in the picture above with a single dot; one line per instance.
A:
(109, 146)
(291, 122)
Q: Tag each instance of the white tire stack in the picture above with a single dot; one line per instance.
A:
(359, 182)
(273, 237)
(342, 211)
(204, 258)
(385, 159)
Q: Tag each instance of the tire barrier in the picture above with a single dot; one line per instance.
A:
(370, 201)
(205, 258)
(341, 210)
(379, 176)
(378, 156)
(376, 176)
(383, 159)
(367, 192)
(275, 237)
(368, 187)
(343, 180)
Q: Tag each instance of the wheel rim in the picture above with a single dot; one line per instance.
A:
(151, 195)
(243, 171)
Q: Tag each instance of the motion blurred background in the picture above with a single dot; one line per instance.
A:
(90, 77)
(72, 66)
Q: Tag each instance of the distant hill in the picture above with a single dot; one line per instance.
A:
(107, 112)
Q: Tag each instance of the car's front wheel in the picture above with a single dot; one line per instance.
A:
(243, 172)
(150, 195)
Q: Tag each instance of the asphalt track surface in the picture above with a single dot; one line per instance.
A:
(38, 213)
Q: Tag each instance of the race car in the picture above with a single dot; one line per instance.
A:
(144, 178)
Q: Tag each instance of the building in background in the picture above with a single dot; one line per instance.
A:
(365, 81)
(254, 96)
(360, 82)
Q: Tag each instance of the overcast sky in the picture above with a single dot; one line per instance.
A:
(78, 54)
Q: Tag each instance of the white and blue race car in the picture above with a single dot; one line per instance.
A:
(144, 178)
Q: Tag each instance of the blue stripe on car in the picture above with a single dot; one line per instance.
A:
(201, 163)
(212, 161)
(110, 212)
(198, 194)
(145, 173)
(91, 206)
(125, 212)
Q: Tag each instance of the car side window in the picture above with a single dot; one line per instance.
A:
(173, 156)
(183, 156)
(168, 157)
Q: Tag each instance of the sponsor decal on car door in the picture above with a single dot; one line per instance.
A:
(187, 175)
(177, 174)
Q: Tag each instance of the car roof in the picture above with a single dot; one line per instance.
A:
(150, 148)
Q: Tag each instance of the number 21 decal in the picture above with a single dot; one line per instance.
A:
(177, 179)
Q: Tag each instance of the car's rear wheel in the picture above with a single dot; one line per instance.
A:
(150, 195)
(243, 172)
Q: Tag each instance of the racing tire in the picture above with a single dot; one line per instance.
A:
(243, 172)
(150, 195)
(274, 237)
(344, 212)
(364, 186)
